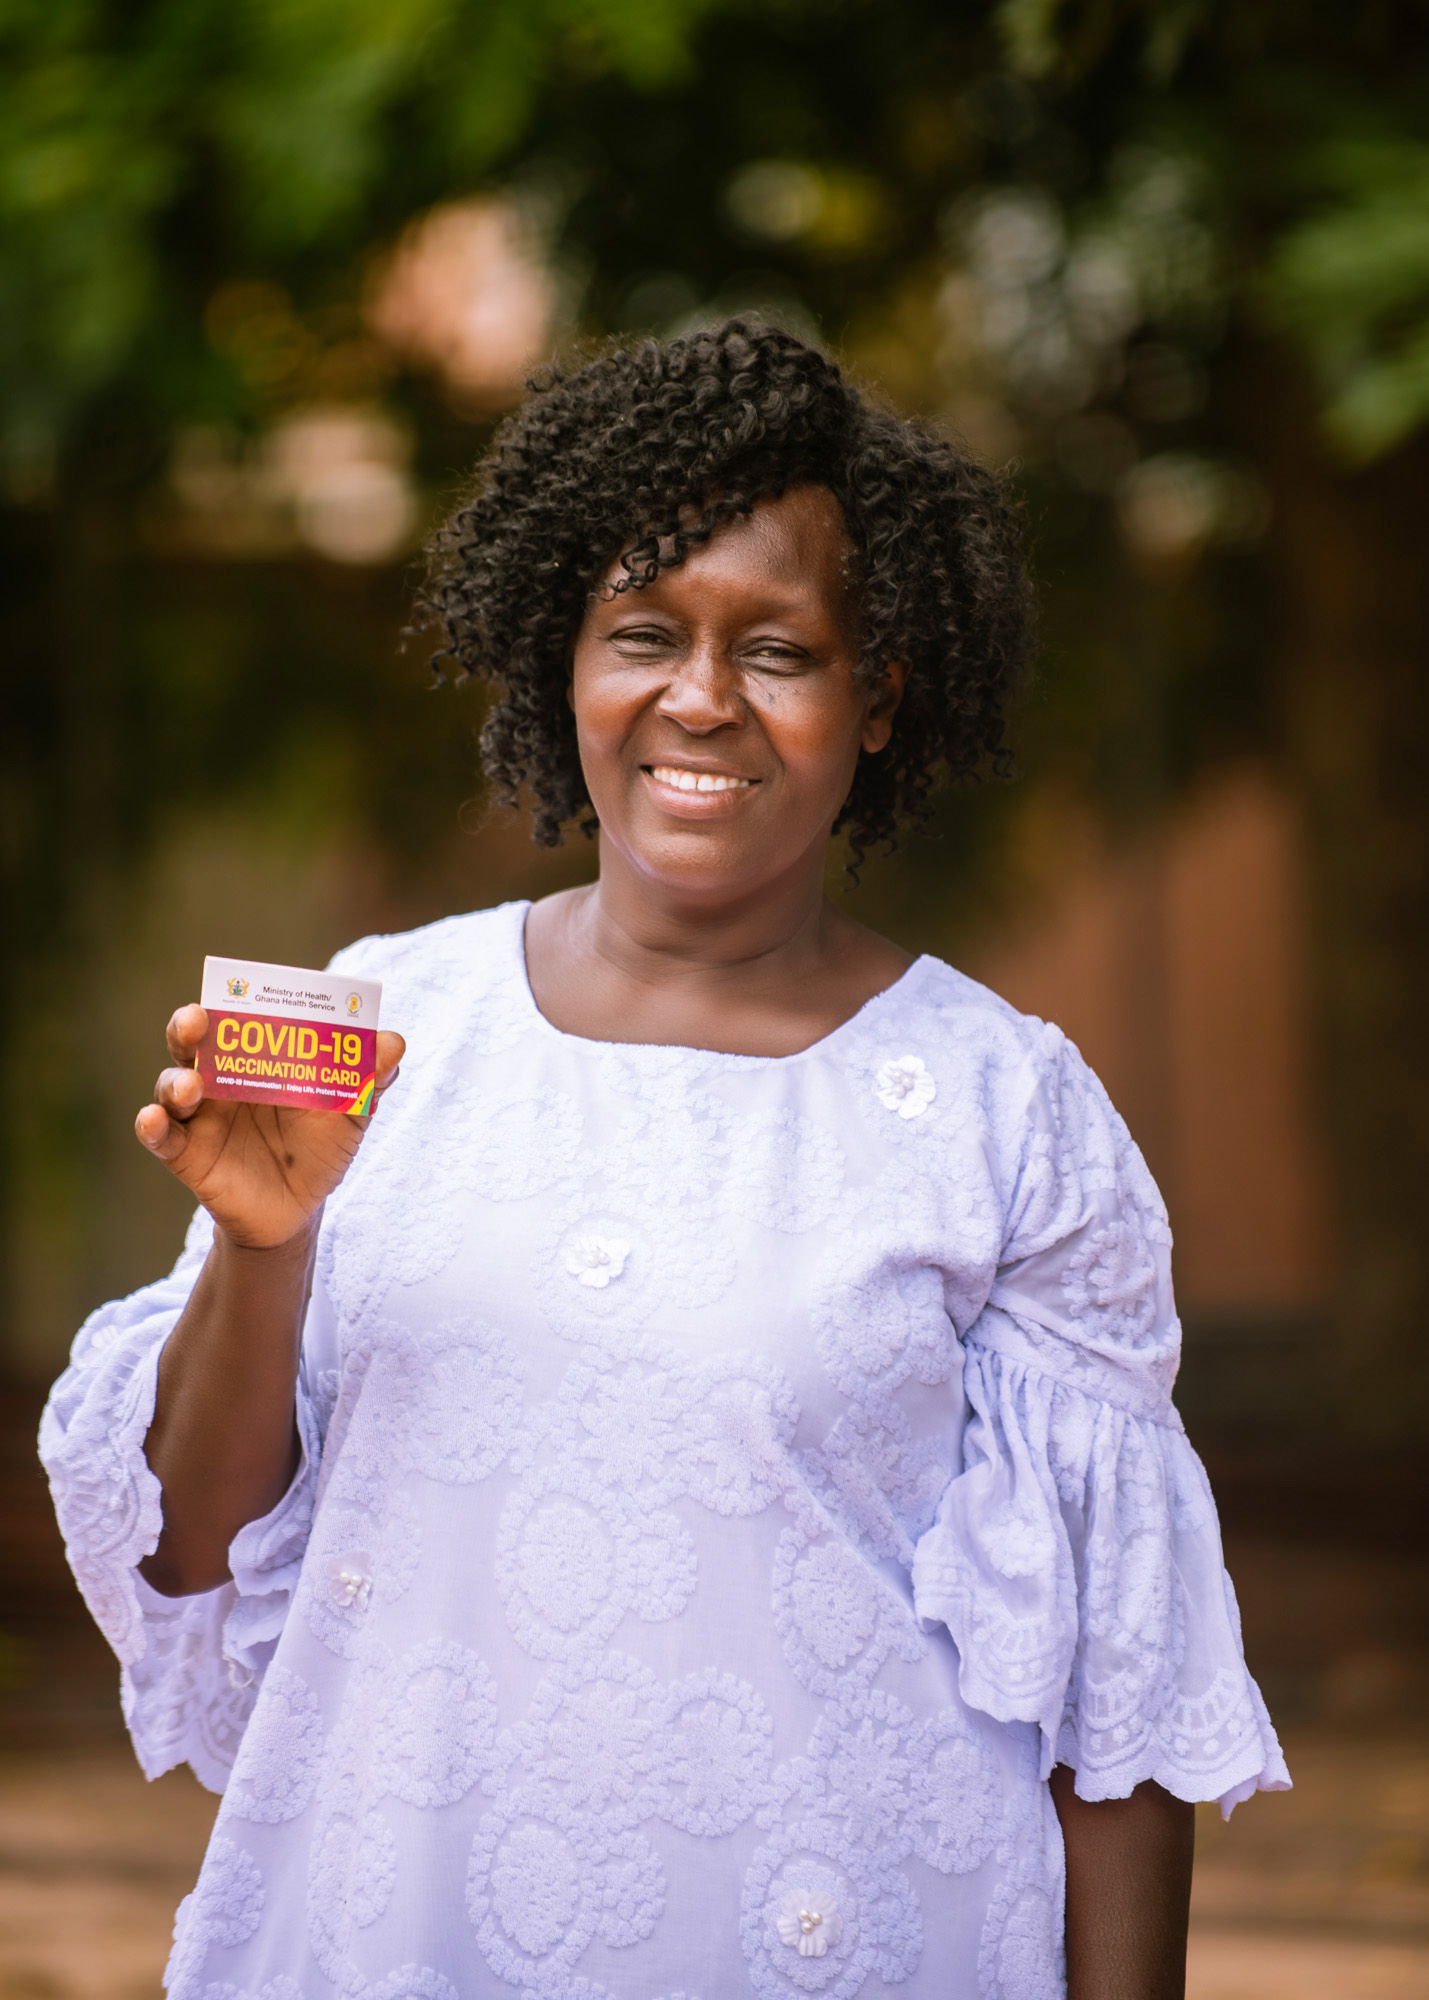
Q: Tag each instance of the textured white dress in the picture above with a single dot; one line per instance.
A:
(728, 1482)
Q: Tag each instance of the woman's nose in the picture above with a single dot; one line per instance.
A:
(703, 693)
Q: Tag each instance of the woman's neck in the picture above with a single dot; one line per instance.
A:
(659, 933)
(764, 972)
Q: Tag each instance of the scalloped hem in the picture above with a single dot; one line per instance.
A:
(1076, 1564)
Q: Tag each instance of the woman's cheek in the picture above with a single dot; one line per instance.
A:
(605, 718)
(813, 730)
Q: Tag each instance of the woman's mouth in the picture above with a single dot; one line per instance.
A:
(698, 781)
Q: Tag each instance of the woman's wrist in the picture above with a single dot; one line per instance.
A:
(265, 1261)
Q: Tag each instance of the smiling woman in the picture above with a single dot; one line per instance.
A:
(617, 472)
(689, 1500)
(731, 606)
(720, 714)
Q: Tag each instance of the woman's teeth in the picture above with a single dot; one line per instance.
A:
(697, 781)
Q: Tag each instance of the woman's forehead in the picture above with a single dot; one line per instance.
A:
(798, 541)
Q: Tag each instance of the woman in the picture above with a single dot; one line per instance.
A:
(688, 1502)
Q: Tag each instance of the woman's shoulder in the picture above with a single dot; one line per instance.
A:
(458, 957)
(1017, 1074)
(969, 1023)
(475, 938)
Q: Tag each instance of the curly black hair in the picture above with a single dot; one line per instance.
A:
(646, 450)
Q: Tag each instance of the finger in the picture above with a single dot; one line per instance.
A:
(381, 1091)
(179, 1092)
(187, 1028)
(391, 1048)
(160, 1134)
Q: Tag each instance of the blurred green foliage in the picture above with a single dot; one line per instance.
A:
(153, 150)
(1351, 283)
(1330, 178)
(149, 150)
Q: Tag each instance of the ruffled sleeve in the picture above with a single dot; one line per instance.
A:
(190, 1665)
(1076, 1559)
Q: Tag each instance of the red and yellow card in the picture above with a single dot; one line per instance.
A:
(279, 1034)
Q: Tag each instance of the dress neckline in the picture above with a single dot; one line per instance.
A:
(523, 981)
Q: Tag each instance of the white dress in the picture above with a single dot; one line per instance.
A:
(728, 1483)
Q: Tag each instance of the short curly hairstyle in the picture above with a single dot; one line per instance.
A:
(641, 454)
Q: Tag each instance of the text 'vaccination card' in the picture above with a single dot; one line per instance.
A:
(278, 1034)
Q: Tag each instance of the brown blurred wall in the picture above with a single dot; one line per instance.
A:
(1178, 966)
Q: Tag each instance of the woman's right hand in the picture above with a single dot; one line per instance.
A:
(262, 1171)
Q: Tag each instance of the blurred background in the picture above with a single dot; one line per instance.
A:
(270, 270)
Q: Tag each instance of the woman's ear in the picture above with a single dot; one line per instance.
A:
(882, 705)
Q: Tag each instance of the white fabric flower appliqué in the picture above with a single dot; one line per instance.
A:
(349, 1580)
(904, 1084)
(595, 1260)
(810, 1921)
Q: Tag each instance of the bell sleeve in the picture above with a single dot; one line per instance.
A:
(1076, 1558)
(190, 1666)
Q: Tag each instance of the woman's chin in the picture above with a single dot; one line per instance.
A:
(709, 862)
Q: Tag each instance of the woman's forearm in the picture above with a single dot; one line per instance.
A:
(1128, 1892)
(223, 1444)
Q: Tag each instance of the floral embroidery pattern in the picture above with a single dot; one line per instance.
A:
(436, 1728)
(712, 1750)
(415, 1982)
(224, 1909)
(674, 1258)
(956, 1806)
(544, 1880)
(1112, 1275)
(352, 1870)
(898, 1786)
(277, 1768)
(1021, 1951)
(281, 1988)
(741, 1428)
(878, 1923)
(573, 1558)
(359, 1558)
(788, 1172)
(877, 1481)
(632, 1426)
(837, 1619)
(465, 1404)
(589, 1738)
(883, 1325)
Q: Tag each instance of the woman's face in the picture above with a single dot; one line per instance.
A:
(717, 711)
